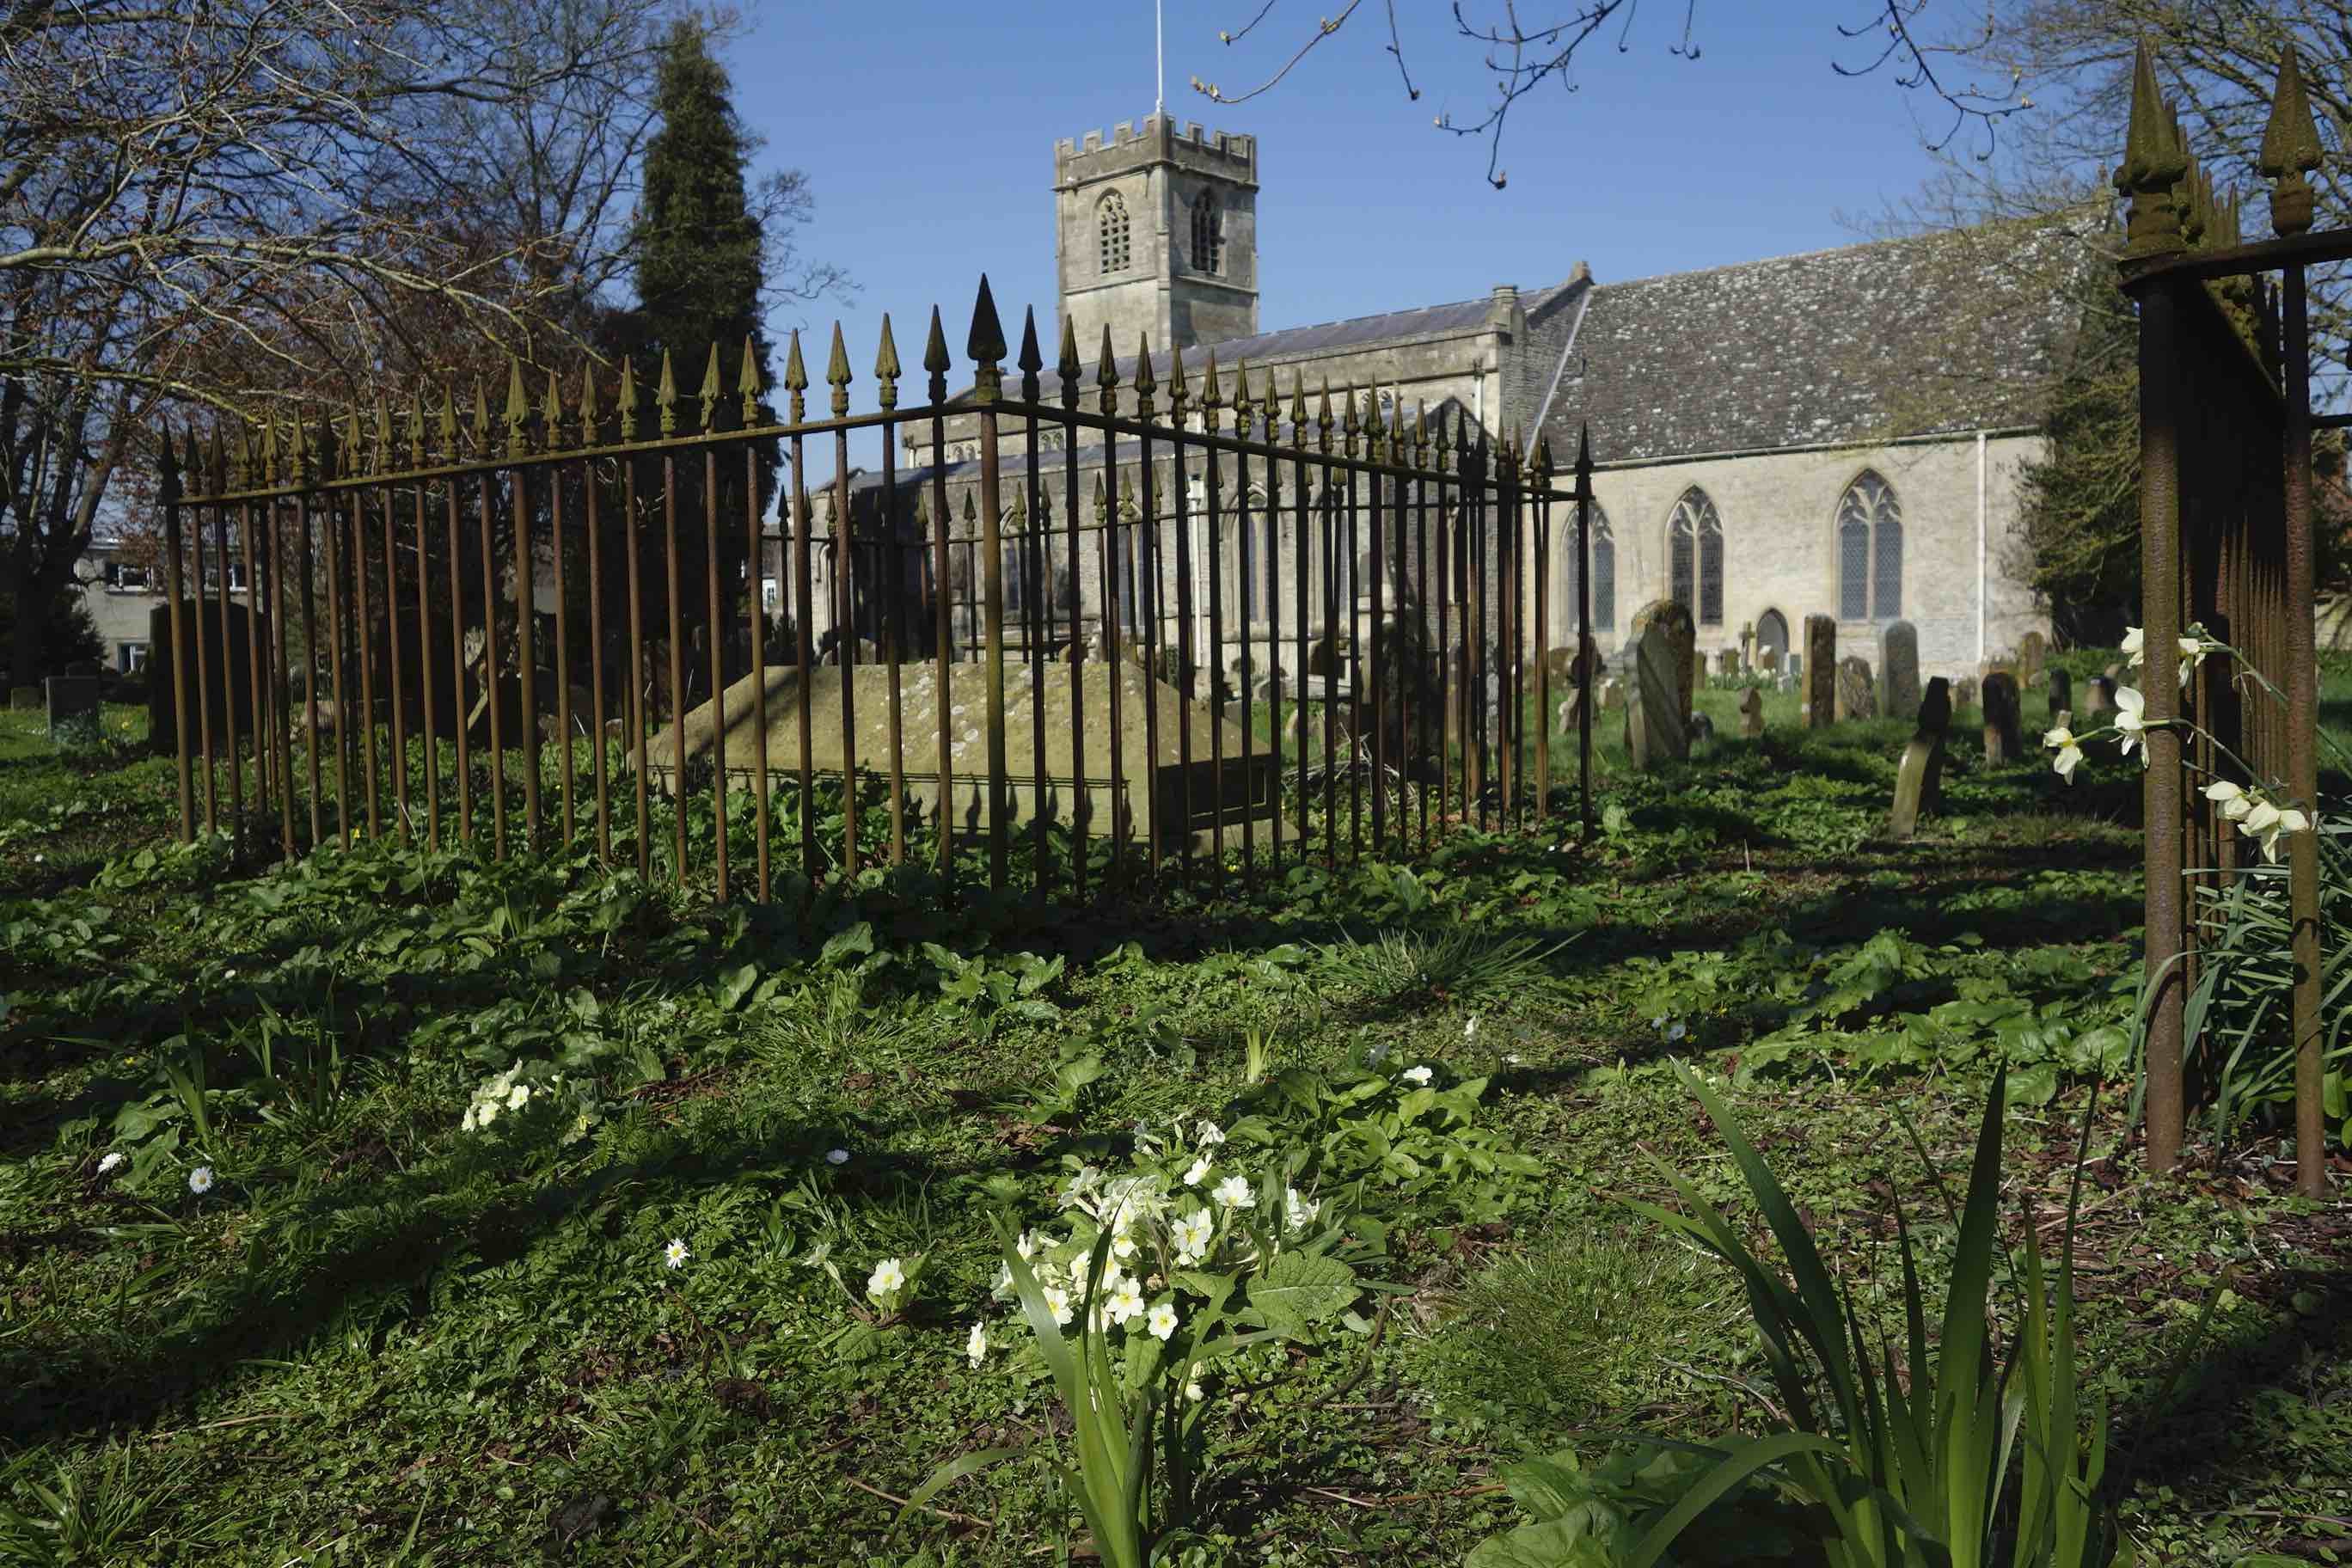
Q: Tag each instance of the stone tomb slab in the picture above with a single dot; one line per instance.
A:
(1149, 794)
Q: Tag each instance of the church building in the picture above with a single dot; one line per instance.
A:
(1840, 433)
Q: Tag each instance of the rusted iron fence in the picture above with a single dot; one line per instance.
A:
(1235, 629)
(2226, 543)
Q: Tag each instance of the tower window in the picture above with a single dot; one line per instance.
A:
(1110, 226)
(1208, 235)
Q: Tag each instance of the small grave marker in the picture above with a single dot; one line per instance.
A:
(1898, 666)
(1821, 672)
(2001, 740)
(1919, 780)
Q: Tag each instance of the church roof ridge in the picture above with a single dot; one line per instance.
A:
(2037, 221)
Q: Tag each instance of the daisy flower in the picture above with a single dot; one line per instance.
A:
(200, 1180)
(675, 1255)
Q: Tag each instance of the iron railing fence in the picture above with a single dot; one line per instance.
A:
(1106, 638)
(2226, 537)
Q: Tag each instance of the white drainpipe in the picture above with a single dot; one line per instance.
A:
(1981, 547)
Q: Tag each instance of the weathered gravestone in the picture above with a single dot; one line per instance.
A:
(1726, 663)
(1964, 692)
(1655, 730)
(2100, 697)
(72, 702)
(226, 687)
(1682, 633)
(2001, 740)
(1768, 661)
(1857, 698)
(1821, 672)
(1748, 645)
(2062, 693)
(1751, 713)
(1610, 693)
(1898, 670)
(1919, 780)
(2032, 651)
(1702, 730)
(25, 698)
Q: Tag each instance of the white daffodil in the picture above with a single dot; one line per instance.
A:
(1198, 1173)
(675, 1255)
(889, 1277)
(1193, 1232)
(2070, 754)
(200, 1180)
(836, 1156)
(1211, 1135)
(2131, 721)
(2192, 654)
(2134, 638)
(1058, 1302)
(1299, 1210)
(1234, 1192)
(1125, 1302)
(1417, 1075)
(1026, 1246)
(113, 1162)
(2268, 824)
(975, 1344)
(2234, 801)
(1161, 1320)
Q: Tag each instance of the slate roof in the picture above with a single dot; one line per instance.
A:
(1944, 332)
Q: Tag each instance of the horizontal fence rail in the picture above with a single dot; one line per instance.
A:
(1227, 635)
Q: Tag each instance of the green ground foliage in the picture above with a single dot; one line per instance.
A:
(448, 1118)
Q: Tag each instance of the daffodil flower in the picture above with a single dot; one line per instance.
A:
(2234, 801)
(675, 1255)
(2131, 722)
(2268, 824)
(2070, 752)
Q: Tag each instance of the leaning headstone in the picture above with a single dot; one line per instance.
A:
(1751, 713)
(72, 702)
(1675, 617)
(2033, 650)
(1919, 780)
(1857, 698)
(1654, 729)
(1898, 670)
(25, 698)
(1564, 721)
(2062, 693)
(1821, 672)
(2101, 697)
(2002, 742)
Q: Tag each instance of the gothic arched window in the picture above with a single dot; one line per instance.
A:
(1605, 579)
(1208, 234)
(1110, 227)
(1870, 550)
(1695, 556)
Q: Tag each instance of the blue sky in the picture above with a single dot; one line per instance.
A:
(927, 130)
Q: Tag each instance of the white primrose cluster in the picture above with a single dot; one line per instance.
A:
(527, 1089)
(1161, 1225)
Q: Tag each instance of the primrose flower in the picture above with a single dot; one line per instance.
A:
(1193, 1232)
(2131, 721)
(1417, 1075)
(1125, 1300)
(1299, 1210)
(1470, 1029)
(2069, 752)
(1211, 1135)
(889, 1277)
(1058, 1302)
(1026, 1246)
(836, 1156)
(2235, 803)
(200, 1180)
(114, 1161)
(519, 1096)
(1161, 1320)
(975, 1344)
(486, 1112)
(1192, 1392)
(675, 1255)
(1234, 1192)
(1198, 1173)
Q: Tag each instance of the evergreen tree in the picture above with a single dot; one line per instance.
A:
(698, 255)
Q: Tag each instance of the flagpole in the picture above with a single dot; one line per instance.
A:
(1159, 62)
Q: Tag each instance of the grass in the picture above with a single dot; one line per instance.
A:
(379, 1339)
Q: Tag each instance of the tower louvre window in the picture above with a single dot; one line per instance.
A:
(1110, 227)
(1208, 234)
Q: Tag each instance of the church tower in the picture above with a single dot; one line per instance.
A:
(1157, 235)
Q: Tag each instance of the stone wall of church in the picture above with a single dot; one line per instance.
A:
(1781, 545)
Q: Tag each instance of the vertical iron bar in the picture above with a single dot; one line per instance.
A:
(281, 690)
(362, 635)
(639, 682)
(714, 634)
(1036, 600)
(1147, 563)
(992, 567)
(228, 682)
(255, 681)
(204, 664)
(943, 630)
(563, 736)
(2302, 760)
(173, 585)
(1302, 560)
(388, 497)
(1082, 801)
(1357, 677)
(756, 597)
(1420, 586)
(461, 721)
(845, 634)
(1542, 570)
(332, 528)
(1375, 487)
(1246, 560)
(1187, 663)
(526, 598)
(595, 518)
(2160, 615)
(490, 694)
(1332, 674)
(430, 749)
(894, 639)
(309, 658)
(1114, 610)
(804, 649)
(677, 657)
(1584, 633)
(1212, 665)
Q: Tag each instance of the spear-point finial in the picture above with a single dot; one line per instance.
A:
(1106, 375)
(192, 462)
(1180, 392)
(240, 454)
(589, 433)
(1419, 430)
(935, 359)
(1029, 359)
(796, 377)
(747, 379)
(518, 413)
(170, 467)
(625, 400)
(1067, 365)
(416, 430)
(1323, 418)
(1126, 497)
(1348, 429)
(1018, 513)
(985, 345)
(1244, 406)
(922, 516)
(709, 393)
(266, 453)
(1212, 396)
(1297, 409)
(970, 517)
(2153, 163)
(2290, 149)
(1102, 501)
(1543, 458)
(886, 367)
(552, 404)
(217, 461)
(1146, 383)
(666, 396)
(445, 423)
(836, 373)
(297, 456)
